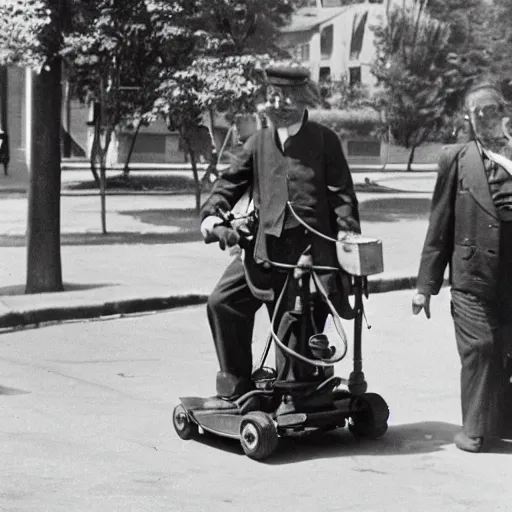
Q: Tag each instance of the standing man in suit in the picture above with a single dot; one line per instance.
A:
(470, 230)
(296, 160)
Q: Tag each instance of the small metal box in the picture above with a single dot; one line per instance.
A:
(360, 255)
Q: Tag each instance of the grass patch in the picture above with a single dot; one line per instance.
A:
(140, 183)
(178, 184)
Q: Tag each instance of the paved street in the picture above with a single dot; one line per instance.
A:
(86, 425)
(86, 406)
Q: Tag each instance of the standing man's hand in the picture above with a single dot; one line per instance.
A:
(421, 301)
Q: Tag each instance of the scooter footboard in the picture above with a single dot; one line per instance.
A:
(226, 424)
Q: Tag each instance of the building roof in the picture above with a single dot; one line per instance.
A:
(306, 19)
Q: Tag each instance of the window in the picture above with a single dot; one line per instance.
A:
(358, 26)
(307, 3)
(354, 75)
(326, 42)
(325, 74)
(150, 143)
(302, 52)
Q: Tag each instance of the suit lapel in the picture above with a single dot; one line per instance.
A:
(472, 168)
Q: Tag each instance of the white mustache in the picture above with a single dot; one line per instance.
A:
(504, 127)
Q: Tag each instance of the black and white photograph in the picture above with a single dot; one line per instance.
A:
(255, 255)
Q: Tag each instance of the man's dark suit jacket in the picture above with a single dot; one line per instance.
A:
(311, 172)
(464, 229)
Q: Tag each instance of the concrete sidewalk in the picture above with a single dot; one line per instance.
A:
(143, 266)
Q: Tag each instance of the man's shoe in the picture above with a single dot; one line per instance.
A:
(468, 444)
(216, 403)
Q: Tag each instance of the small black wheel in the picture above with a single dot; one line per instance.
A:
(184, 427)
(258, 435)
(371, 419)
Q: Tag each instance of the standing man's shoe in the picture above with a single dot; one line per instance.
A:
(468, 444)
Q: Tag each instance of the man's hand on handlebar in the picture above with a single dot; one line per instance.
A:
(214, 229)
(226, 236)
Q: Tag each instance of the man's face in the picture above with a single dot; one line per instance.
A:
(282, 109)
(487, 115)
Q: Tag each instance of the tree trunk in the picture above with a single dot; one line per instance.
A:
(102, 157)
(93, 158)
(193, 163)
(411, 158)
(44, 269)
(225, 143)
(126, 170)
(3, 98)
(66, 115)
(213, 155)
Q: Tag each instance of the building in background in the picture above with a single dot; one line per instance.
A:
(334, 40)
(13, 121)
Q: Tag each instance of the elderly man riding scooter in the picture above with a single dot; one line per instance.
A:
(293, 160)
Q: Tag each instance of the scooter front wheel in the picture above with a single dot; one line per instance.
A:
(183, 425)
(371, 422)
(258, 435)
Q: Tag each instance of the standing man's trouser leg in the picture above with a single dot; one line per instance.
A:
(231, 310)
(483, 378)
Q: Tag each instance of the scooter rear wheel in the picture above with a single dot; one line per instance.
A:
(372, 420)
(258, 435)
(183, 425)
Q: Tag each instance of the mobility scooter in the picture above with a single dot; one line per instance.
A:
(313, 398)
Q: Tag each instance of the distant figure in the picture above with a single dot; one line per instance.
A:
(4, 151)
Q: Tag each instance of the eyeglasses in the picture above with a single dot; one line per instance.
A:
(277, 100)
(487, 112)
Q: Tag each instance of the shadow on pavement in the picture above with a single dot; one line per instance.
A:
(503, 447)
(184, 218)
(414, 438)
(186, 222)
(5, 391)
(386, 209)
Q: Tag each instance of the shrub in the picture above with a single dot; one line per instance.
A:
(361, 123)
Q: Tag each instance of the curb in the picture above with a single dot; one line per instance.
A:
(43, 315)
(35, 317)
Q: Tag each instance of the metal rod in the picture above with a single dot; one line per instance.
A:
(358, 325)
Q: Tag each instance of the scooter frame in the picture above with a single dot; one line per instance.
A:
(324, 405)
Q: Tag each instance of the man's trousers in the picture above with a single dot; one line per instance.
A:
(484, 379)
(483, 331)
(231, 310)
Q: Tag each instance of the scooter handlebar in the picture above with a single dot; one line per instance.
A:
(228, 221)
